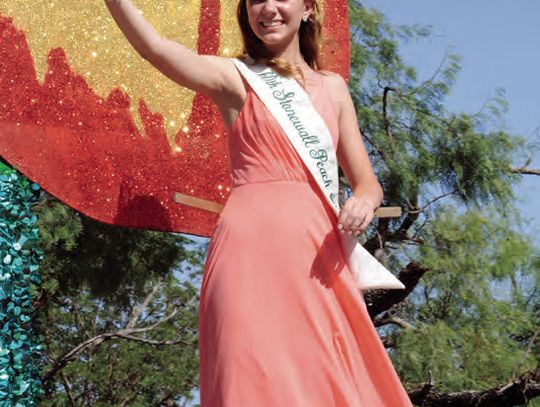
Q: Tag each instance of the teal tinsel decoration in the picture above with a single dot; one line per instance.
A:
(20, 343)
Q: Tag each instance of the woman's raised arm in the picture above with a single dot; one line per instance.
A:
(207, 74)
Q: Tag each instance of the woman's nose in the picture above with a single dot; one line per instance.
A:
(269, 7)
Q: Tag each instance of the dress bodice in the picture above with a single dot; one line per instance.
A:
(259, 149)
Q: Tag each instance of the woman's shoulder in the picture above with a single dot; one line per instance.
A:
(335, 85)
(332, 77)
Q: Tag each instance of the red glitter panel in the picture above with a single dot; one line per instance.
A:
(88, 152)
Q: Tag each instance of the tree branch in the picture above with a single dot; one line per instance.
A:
(388, 341)
(527, 351)
(126, 333)
(525, 170)
(514, 393)
(137, 311)
(385, 118)
(381, 153)
(67, 387)
(388, 318)
(378, 301)
(133, 395)
(399, 234)
(423, 208)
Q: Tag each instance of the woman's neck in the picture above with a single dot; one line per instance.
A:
(292, 55)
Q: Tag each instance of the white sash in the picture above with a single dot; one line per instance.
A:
(291, 107)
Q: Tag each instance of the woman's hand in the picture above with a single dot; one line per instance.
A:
(355, 215)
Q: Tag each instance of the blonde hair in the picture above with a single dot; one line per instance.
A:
(310, 38)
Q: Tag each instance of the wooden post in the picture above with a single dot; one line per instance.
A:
(381, 212)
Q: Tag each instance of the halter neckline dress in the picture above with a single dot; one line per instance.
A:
(281, 322)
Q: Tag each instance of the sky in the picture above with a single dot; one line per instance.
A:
(498, 44)
(497, 41)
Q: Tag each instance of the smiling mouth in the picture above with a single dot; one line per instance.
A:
(273, 24)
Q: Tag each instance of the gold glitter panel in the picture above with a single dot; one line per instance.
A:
(97, 49)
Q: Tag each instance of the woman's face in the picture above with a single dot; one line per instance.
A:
(287, 14)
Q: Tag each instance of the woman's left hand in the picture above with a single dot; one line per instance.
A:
(355, 215)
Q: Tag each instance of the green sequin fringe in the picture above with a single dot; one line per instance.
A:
(20, 343)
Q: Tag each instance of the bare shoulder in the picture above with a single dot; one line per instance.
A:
(232, 84)
(337, 86)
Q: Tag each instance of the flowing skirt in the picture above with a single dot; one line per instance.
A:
(280, 320)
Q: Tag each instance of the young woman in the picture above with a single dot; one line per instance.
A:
(281, 321)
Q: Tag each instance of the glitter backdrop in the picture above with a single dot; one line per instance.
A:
(95, 125)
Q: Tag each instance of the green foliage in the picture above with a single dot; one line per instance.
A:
(475, 312)
(457, 243)
(472, 334)
(473, 164)
(104, 257)
(95, 277)
(416, 142)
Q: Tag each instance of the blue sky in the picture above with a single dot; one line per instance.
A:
(498, 43)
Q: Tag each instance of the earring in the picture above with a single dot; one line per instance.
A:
(305, 18)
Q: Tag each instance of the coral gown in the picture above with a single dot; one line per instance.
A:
(280, 320)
